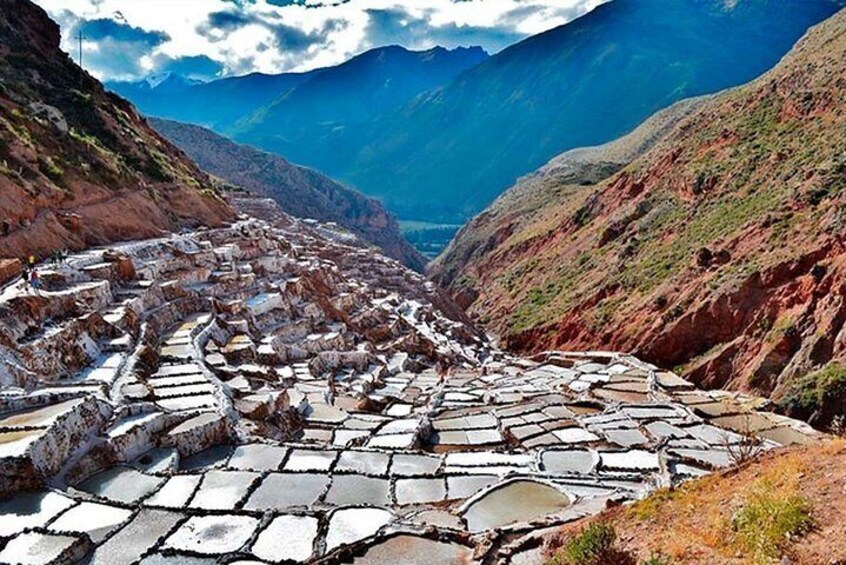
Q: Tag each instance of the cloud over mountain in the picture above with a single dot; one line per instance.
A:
(126, 40)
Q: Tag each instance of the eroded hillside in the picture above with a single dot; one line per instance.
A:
(300, 191)
(719, 251)
(531, 204)
(78, 166)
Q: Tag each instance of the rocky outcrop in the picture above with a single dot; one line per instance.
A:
(78, 166)
(718, 251)
(299, 191)
(10, 269)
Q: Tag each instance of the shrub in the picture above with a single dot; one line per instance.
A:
(746, 446)
(657, 559)
(51, 169)
(768, 519)
(838, 426)
(595, 545)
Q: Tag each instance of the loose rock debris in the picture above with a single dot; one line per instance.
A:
(261, 394)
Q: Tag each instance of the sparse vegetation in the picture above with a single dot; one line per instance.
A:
(91, 141)
(158, 168)
(543, 302)
(783, 326)
(595, 545)
(818, 396)
(51, 169)
(657, 559)
(19, 132)
(648, 508)
(604, 312)
(674, 313)
(752, 514)
(768, 519)
(742, 446)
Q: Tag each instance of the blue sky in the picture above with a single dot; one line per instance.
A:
(132, 39)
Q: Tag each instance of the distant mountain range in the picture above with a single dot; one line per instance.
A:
(438, 135)
(588, 82)
(315, 118)
(323, 121)
(299, 191)
(218, 104)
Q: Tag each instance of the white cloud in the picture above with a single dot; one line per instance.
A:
(274, 36)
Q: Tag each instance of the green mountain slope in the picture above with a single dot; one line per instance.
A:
(300, 191)
(446, 156)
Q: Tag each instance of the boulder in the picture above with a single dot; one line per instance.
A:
(198, 433)
(10, 269)
(49, 114)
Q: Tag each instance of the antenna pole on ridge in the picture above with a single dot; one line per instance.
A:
(79, 38)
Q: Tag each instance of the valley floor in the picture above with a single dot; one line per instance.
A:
(428, 238)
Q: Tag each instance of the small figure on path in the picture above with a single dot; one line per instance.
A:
(444, 370)
(35, 281)
(25, 274)
(329, 395)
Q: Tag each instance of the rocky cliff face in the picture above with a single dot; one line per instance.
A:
(78, 166)
(720, 251)
(300, 191)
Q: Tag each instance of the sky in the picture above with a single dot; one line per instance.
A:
(206, 39)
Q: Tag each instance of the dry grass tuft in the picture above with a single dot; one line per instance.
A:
(768, 520)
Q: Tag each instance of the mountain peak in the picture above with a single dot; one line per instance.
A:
(425, 54)
(170, 82)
